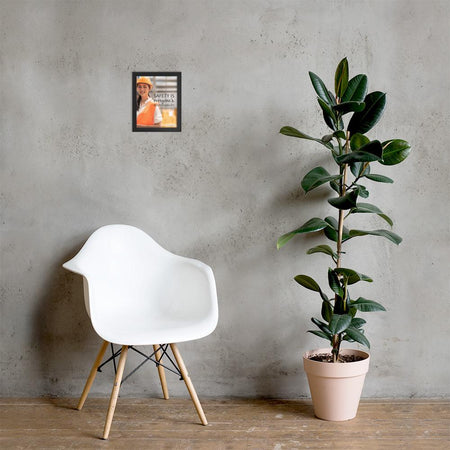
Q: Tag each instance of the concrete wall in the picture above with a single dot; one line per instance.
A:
(224, 188)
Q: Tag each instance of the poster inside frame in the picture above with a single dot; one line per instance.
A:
(156, 101)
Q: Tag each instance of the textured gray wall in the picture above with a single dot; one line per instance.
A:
(224, 188)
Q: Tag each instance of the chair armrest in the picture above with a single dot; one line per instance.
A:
(191, 291)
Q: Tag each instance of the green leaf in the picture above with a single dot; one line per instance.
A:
(339, 134)
(328, 114)
(332, 99)
(357, 336)
(327, 311)
(358, 156)
(316, 177)
(321, 334)
(341, 78)
(347, 201)
(334, 283)
(331, 234)
(329, 121)
(324, 297)
(362, 191)
(395, 238)
(312, 225)
(323, 249)
(326, 108)
(358, 140)
(320, 88)
(369, 152)
(356, 89)
(379, 178)
(330, 220)
(347, 107)
(323, 326)
(331, 231)
(290, 131)
(395, 151)
(371, 209)
(360, 168)
(351, 275)
(335, 186)
(363, 121)
(339, 323)
(307, 282)
(364, 305)
(357, 322)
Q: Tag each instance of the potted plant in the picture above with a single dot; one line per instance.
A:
(354, 154)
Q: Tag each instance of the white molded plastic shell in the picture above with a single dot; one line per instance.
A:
(138, 293)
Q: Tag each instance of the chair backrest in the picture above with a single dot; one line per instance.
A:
(120, 264)
(111, 248)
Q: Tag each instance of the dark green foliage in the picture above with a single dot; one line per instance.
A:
(363, 121)
(353, 152)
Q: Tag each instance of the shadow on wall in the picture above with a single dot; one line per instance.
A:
(62, 334)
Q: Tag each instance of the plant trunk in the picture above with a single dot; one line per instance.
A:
(336, 347)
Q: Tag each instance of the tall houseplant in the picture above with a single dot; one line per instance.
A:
(354, 154)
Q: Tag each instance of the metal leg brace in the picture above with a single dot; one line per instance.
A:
(162, 348)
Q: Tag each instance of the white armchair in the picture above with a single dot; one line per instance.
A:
(137, 293)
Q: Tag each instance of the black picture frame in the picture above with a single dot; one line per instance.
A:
(163, 101)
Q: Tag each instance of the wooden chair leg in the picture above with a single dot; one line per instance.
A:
(93, 372)
(189, 384)
(115, 391)
(162, 374)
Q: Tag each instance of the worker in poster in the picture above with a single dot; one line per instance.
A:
(148, 112)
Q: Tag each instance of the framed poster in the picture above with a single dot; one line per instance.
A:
(156, 101)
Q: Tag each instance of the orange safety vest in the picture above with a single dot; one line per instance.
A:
(147, 116)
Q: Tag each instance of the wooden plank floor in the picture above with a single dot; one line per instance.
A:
(233, 424)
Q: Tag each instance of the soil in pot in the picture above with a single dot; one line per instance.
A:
(328, 357)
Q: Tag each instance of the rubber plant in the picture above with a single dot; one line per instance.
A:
(354, 154)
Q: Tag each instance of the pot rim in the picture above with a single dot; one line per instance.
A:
(336, 370)
(344, 351)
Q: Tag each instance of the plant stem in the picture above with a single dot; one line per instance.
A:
(343, 170)
(336, 347)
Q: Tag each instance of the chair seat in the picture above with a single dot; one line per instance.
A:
(136, 331)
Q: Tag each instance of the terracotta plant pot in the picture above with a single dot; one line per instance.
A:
(336, 387)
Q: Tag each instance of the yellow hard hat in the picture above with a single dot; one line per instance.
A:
(144, 80)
